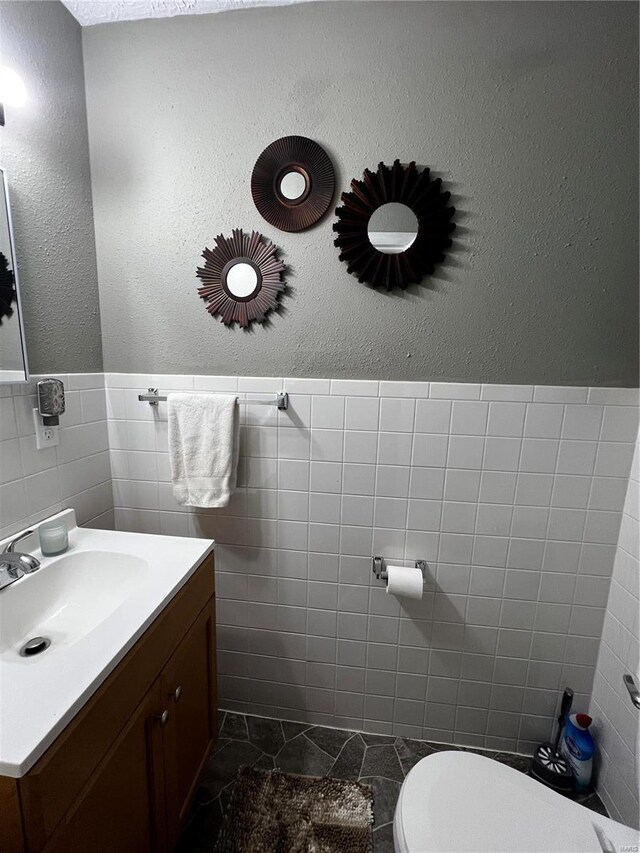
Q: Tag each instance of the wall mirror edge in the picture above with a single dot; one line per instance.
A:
(17, 348)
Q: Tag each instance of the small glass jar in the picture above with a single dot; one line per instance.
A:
(54, 538)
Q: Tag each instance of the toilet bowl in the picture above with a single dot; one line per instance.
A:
(452, 802)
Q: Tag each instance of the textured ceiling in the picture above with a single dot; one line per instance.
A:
(89, 12)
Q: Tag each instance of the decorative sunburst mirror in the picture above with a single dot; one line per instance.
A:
(292, 183)
(394, 226)
(241, 278)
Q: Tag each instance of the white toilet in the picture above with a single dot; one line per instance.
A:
(452, 802)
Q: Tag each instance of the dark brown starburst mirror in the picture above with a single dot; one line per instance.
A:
(241, 278)
(393, 227)
(292, 183)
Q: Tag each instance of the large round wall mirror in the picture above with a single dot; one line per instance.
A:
(241, 278)
(292, 183)
(394, 226)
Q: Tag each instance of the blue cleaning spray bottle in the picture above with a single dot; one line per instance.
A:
(578, 747)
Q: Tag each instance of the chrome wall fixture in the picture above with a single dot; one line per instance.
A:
(630, 684)
(379, 568)
(281, 401)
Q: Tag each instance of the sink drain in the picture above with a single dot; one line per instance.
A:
(34, 646)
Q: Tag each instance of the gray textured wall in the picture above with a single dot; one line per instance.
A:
(45, 152)
(527, 110)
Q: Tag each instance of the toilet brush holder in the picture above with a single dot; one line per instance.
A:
(548, 765)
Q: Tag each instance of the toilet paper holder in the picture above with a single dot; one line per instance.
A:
(379, 570)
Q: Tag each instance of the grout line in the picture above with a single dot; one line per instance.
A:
(344, 745)
(313, 743)
(362, 759)
(399, 759)
(380, 776)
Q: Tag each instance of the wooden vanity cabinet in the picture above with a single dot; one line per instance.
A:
(120, 809)
(120, 778)
(187, 736)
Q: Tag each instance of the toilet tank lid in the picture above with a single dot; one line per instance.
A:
(467, 803)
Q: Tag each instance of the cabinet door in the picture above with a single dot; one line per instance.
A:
(189, 692)
(122, 807)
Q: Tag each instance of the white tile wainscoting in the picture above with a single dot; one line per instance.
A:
(513, 494)
(616, 720)
(76, 473)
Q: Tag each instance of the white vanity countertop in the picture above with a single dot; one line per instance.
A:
(91, 621)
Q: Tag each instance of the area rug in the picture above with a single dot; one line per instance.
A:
(274, 812)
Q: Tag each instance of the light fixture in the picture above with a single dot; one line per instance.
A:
(12, 90)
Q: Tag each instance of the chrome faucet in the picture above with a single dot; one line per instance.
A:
(14, 564)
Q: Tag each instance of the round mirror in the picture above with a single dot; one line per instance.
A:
(392, 228)
(293, 185)
(241, 280)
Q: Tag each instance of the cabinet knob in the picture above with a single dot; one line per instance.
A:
(163, 717)
(177, 693)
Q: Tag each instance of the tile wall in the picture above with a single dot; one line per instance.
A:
(616, 720)
(513, 494)
(37, 483)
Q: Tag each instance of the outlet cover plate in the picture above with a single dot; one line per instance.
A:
(46, 436)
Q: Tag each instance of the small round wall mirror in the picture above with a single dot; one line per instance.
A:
(241, 278)
(293, 185)
(392, 228)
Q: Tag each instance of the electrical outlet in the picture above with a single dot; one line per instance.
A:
(46, 436)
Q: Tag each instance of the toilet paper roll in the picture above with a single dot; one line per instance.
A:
(404, 582)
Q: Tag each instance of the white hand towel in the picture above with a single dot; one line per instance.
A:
(204, 436)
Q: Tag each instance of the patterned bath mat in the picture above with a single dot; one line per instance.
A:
(274, 812)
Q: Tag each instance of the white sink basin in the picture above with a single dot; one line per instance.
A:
(76, 593)
(93, 603)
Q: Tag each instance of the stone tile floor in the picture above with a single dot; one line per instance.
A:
(378, 760)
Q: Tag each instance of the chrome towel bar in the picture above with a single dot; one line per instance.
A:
(281, 401)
